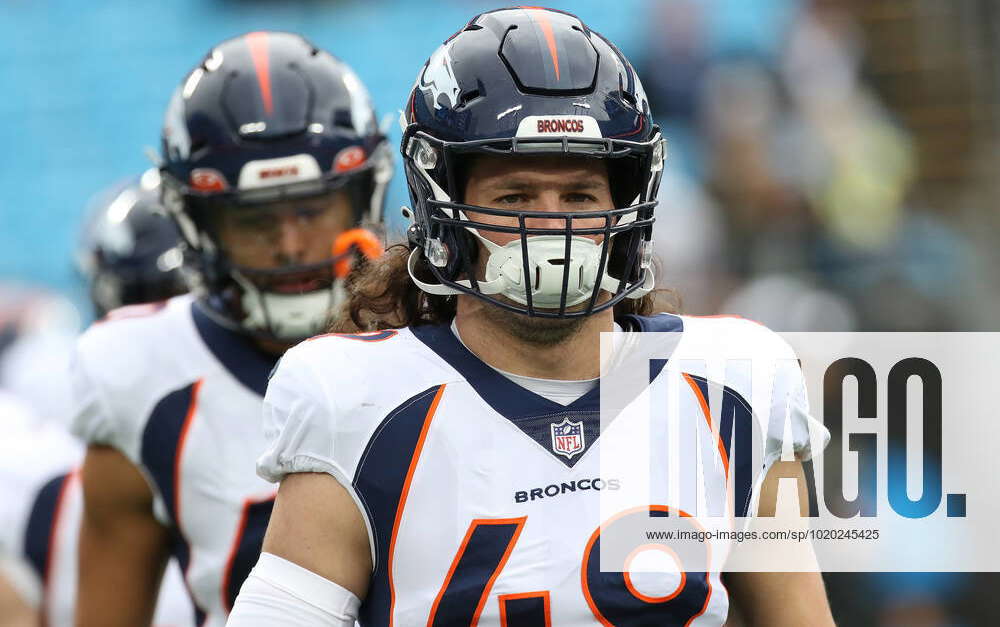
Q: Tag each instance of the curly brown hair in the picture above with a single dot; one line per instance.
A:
(381, 295)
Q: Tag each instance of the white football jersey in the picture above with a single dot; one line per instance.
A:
(483, 500)
(180, 395)
(40, 508)
(32, 451)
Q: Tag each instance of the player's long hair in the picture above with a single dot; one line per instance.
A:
(381, 295)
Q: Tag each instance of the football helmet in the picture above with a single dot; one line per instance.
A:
(267, 121)
(129, 250)
(530, 81)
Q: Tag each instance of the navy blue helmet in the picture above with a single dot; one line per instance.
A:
(129, 250)
(269, 120)
(531, 81)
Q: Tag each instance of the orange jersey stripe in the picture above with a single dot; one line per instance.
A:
(708, 419)
(74, 475)
(236, 547)
(188, 419)
(405, 491)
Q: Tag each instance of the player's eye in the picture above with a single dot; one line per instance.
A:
(308, 213)
(580, 197)
(511, 199)
(254, 221)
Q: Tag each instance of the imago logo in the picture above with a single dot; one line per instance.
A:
(274, 173)
(348, 159)
(208, 180)
(560, 126)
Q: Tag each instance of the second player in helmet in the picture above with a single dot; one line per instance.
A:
(130, 250)
(272, 154)
(272, 166)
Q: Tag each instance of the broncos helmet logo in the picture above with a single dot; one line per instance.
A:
(438, 78)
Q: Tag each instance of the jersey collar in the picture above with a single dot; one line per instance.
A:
(503, 395)
(248, 364)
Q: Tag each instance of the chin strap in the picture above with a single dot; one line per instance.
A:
(485, 287)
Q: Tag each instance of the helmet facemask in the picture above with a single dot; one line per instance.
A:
(588, 262)
(289, 299)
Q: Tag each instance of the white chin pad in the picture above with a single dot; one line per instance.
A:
(547, 264)
(290, 317)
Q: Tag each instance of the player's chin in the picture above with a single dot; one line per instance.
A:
(542, 331)
(544, 311)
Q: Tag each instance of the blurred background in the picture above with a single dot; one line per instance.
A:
(833, 165)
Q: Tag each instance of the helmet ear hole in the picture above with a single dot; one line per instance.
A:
(465, 251)
(626, 180)
(624, 256)
(359, 191)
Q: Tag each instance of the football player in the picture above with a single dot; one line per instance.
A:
(464, 487)
(33, 451)
(128, 254)
(272, 161)
(130, 251)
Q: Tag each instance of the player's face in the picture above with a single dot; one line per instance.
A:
(287, 233)
(547, 184)
(543, 183)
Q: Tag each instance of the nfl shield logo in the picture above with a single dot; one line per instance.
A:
(567, 437)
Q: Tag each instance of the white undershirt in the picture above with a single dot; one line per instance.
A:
(556, 390)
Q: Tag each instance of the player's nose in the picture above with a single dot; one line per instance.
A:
(553, 202)
(548, 202)
(292, 238)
